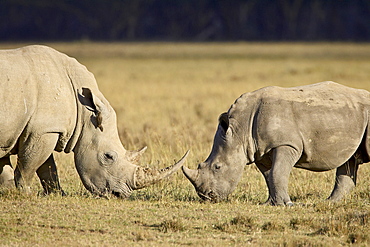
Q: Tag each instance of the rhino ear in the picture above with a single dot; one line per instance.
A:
(224, 121)
(94, 104)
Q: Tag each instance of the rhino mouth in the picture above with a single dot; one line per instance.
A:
(122, 193)
(117, 194)
(210, 196)
(108, 194)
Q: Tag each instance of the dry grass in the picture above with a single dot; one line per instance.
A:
(168, 96)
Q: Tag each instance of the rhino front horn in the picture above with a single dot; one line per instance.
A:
(190, 174)
(144, 177)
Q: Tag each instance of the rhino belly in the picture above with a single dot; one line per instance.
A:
(328, 150)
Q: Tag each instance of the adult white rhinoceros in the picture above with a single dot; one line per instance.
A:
(49, 101)
(317, 127)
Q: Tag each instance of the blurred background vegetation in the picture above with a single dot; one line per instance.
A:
(186, 20)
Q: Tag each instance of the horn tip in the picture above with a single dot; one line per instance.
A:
(182, 160)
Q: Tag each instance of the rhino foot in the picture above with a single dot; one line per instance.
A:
(271, 202)
(289, 204)
(57, 192)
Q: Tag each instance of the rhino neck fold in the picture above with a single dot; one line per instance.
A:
(249, 135)
(78, 124)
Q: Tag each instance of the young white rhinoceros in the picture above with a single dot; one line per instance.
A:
(50, 102)
(317, 127)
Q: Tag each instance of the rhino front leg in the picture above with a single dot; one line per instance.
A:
(345, 180)
(33, 152)
(6, 173)
(283, 160)
(265, 170)
(48, 176)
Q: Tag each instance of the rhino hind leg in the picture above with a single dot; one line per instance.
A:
(48, 176)
(345, 179)
(283, 160)
(6, 173)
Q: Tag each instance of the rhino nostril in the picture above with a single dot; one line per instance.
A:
(204, 196)
(212, 195)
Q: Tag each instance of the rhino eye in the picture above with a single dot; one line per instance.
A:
(217, 166)
(109, 157)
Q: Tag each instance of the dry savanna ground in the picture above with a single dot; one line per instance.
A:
(168, 96)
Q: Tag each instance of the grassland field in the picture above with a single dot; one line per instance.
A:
(168, 96)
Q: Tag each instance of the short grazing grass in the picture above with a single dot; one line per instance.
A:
(168, 96)
(81, 220)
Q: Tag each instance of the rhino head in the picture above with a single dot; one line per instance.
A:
(218, 176)
(103, 164)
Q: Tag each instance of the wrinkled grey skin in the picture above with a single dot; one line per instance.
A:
(317, 127)
(50, 102)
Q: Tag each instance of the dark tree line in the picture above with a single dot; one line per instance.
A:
(192, 20)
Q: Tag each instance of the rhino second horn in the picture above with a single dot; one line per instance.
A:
(190, 174)
(144, 177)
(134, 156)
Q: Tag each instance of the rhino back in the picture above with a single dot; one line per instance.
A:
(36, 95)
(327, 122)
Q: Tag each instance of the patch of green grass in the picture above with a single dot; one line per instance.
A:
(239, 223)
(171, 225)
